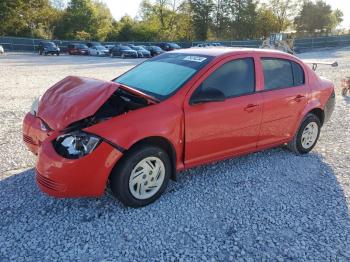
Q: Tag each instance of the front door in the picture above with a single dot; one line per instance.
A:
(216, 130)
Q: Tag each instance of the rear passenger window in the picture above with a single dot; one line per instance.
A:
(281, 73)
(298, 73)
(233, 78)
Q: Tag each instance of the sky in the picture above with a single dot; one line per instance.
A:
(120, 8)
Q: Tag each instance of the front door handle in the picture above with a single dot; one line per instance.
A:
(251, 107)
(298, 98)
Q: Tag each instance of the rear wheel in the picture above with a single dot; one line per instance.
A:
(141, 176)
(306, 137)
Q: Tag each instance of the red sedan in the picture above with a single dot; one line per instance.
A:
(179, 110)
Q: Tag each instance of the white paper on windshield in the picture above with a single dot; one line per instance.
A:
(198, 59)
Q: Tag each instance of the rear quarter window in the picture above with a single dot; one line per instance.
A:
(282, 73)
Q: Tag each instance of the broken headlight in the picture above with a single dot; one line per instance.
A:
(76, 145)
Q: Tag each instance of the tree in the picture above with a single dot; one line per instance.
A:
(27, 18)
(91, 17)
(317, 18)
(201, 17)
(266, 22)
(284, 11)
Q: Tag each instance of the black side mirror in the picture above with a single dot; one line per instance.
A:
(208, 95)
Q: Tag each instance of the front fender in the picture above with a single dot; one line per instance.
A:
(161, 120)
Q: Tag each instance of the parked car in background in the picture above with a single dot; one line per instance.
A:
(48, 48)
(155, 50)
(109, 47)
(78, 49)
(92, 44)
(98, 50)
(2, 51)
(123, 52)
(141, 51)
(168, 46)
(207, 45)
(173, 112)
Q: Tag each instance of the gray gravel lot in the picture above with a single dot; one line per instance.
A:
(266, 206)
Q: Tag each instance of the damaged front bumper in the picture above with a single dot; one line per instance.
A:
(33, 132)
(86, 176)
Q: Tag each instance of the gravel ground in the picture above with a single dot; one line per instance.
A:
(270, 205)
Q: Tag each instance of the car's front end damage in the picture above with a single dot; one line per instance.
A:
(70, 161)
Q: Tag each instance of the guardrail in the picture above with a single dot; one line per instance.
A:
(301, 44)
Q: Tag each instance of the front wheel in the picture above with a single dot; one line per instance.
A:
(306, 137)
(141, 176)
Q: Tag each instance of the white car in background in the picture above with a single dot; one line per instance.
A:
(1, 50)
(98, 50)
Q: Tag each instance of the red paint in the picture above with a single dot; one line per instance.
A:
(199, 133)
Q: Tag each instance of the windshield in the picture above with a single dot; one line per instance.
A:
(139, 48)
(156, 48)
(125, 48)
(162, 76)
(49, 44)
(174, 45)
(81, 46)
(100, 47)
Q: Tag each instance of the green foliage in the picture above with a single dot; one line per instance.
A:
(91, 17)
(27, 18)
(317, 17)
(266, 22)
(284, 11)
(165, 20)
(201, 17)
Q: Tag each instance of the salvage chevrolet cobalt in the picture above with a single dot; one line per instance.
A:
(175, 111)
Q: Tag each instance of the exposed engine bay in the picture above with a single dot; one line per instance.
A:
(120, 102)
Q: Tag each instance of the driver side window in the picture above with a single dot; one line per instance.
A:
(235, 78)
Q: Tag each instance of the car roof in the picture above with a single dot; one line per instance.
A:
(219, 51)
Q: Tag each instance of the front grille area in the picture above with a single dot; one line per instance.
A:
(48, 183)
(29, 140)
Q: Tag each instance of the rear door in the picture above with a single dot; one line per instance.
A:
(216, 130)
(284, 98)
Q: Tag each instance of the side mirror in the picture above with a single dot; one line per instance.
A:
(208, 95)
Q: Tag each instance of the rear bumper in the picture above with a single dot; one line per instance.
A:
(329, 108)
(87, 176)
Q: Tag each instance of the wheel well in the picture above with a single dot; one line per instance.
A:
(164, 144)
(319, 113)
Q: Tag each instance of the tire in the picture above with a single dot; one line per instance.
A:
(111, 55)
(58, 54)
(127, 182)
(123, 56)
(304, 143)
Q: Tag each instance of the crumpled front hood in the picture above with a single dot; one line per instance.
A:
(72, 99)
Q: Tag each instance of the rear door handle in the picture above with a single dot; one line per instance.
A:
(298, 98)
(251, 107)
